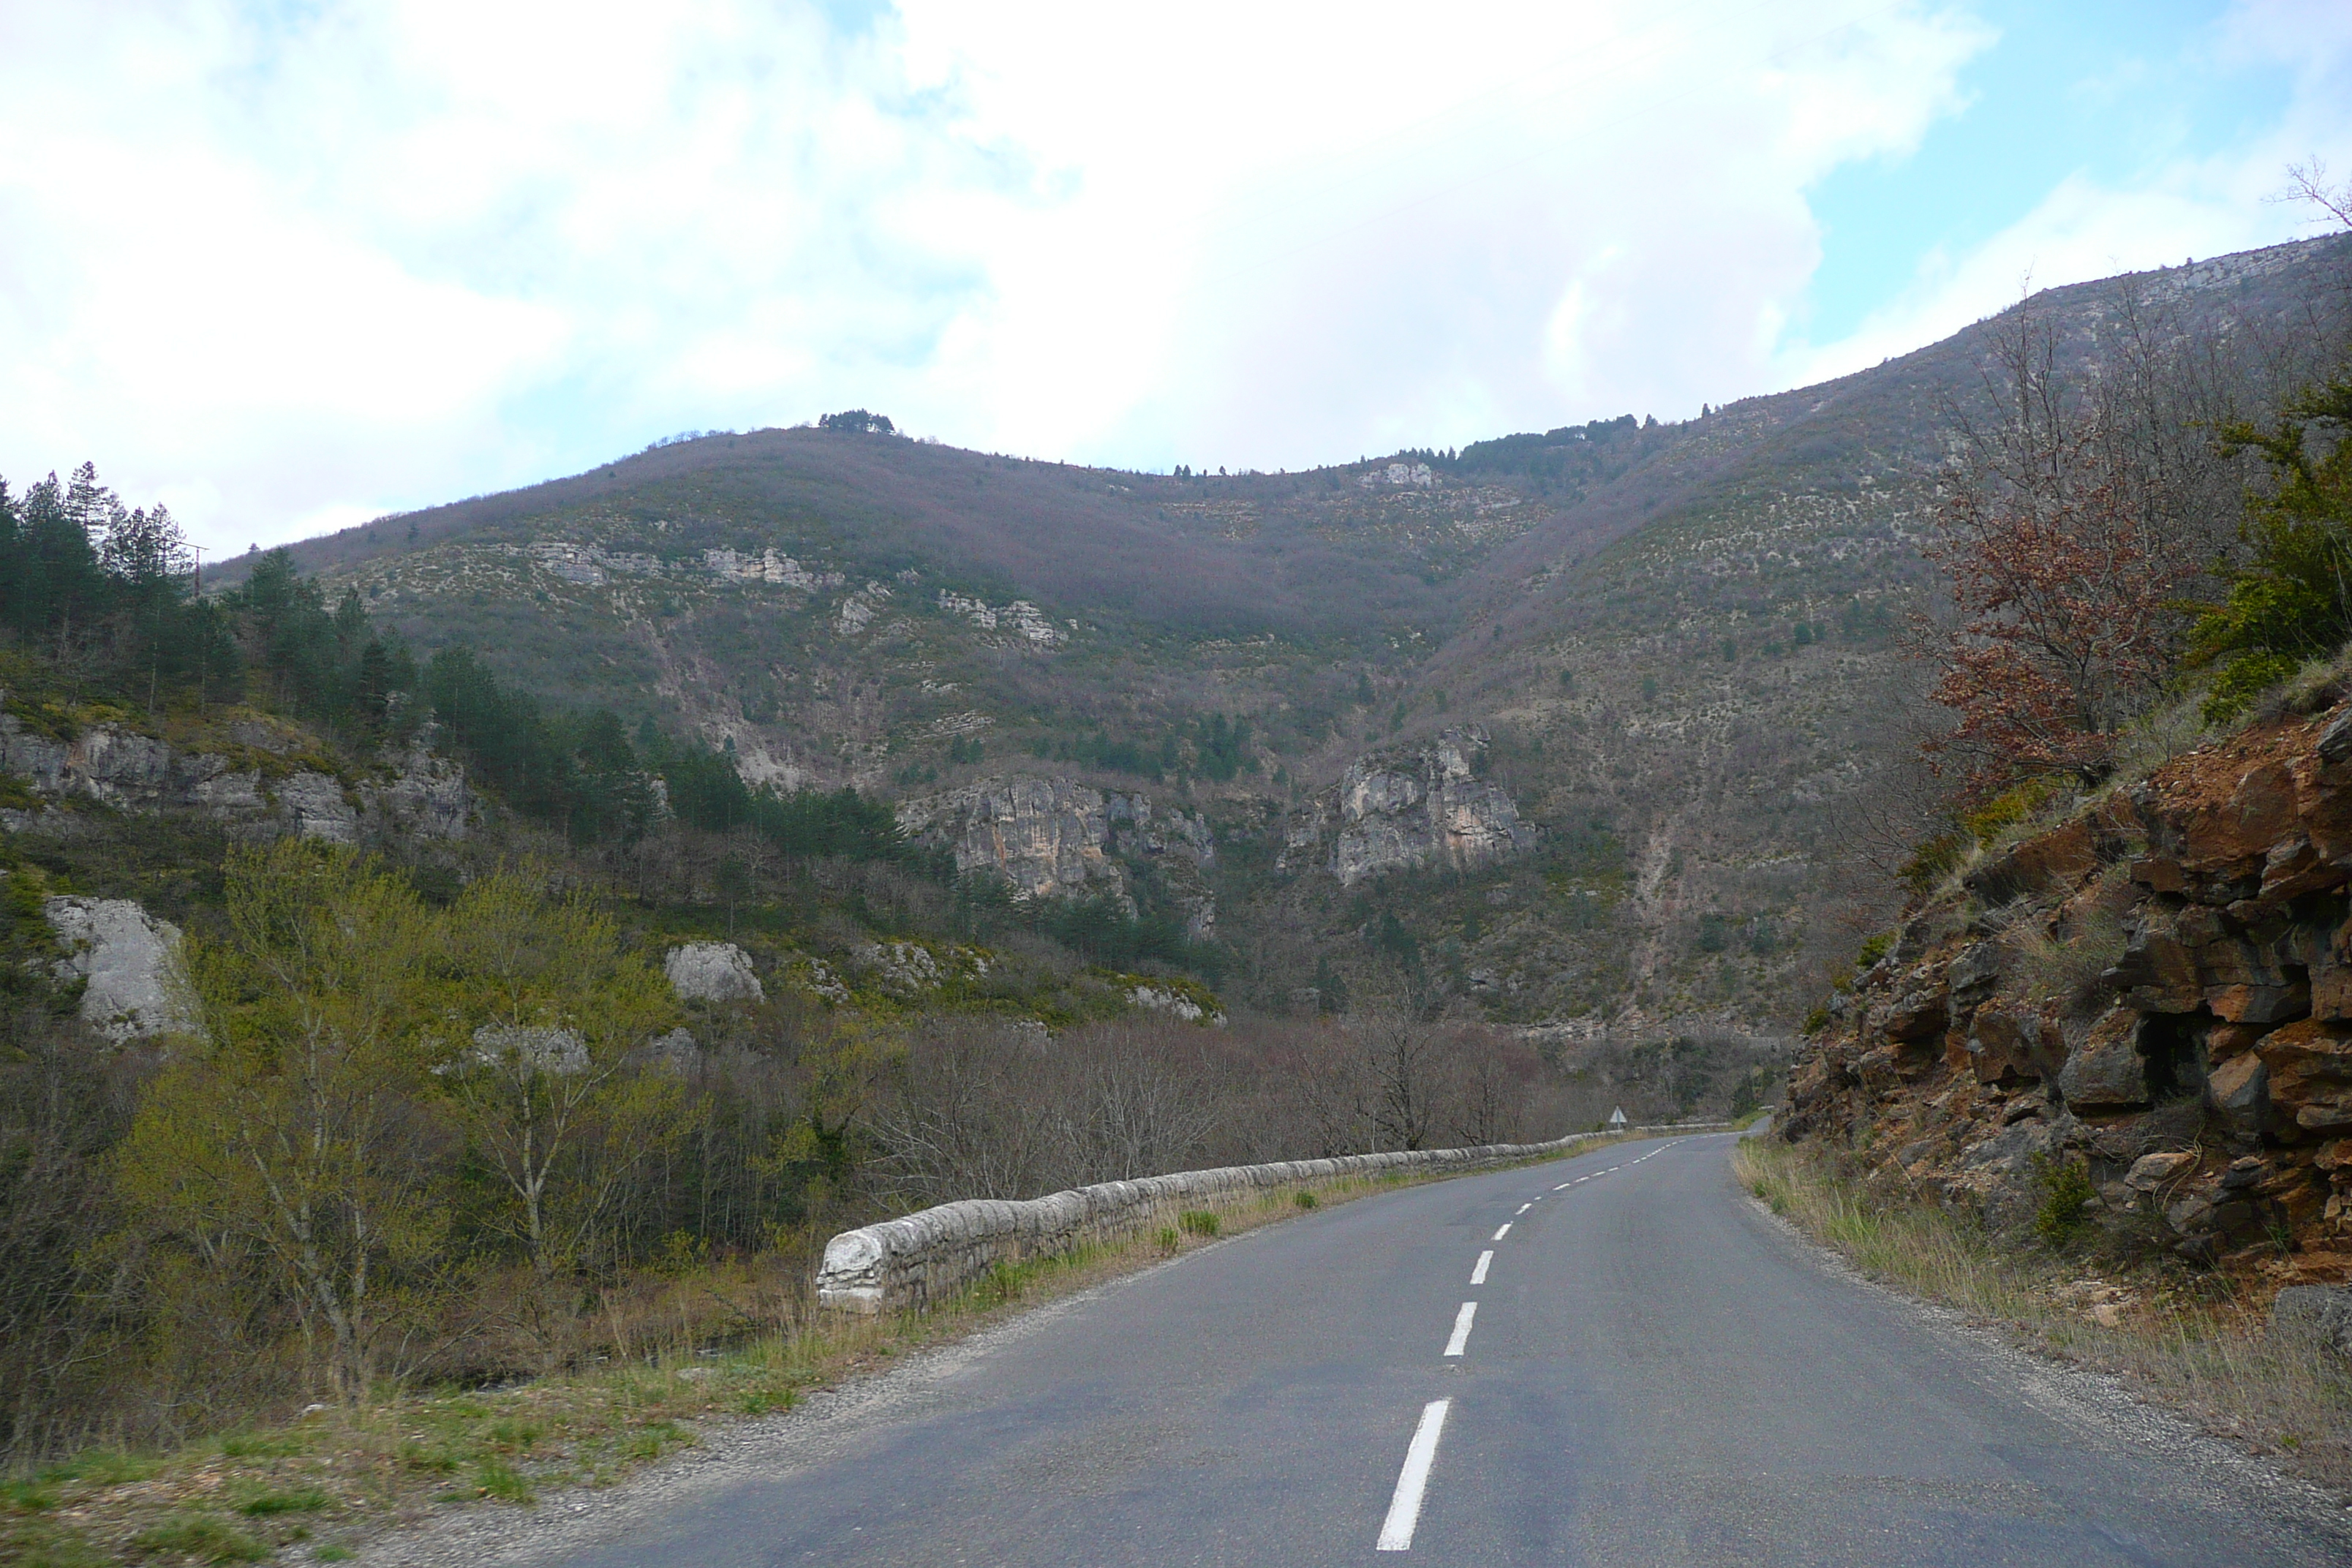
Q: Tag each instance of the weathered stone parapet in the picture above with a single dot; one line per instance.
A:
(913, 1261)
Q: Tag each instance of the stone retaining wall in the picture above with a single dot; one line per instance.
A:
(911, 1262)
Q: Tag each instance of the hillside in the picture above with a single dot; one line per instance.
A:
(1670, 649)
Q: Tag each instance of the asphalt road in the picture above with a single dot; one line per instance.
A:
(1654, 1375)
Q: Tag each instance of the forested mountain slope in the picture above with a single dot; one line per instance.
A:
(1670, 650)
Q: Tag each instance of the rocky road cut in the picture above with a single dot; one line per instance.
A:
(1613, 1360)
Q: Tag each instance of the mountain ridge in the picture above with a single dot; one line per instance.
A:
(1683, 637)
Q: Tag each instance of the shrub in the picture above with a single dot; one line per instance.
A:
(1304, 1200)
(1198, 1222)
(2065, 1188)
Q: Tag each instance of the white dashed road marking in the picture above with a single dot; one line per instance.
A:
(1504, 1232)
(1462, 1321)
(1404, 1507)
(1478, 1275)
(1526, 1206)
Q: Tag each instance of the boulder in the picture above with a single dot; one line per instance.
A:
(2151, 1171)
(2239, 1091)
(130, 962)
(2104, 1072)
(712, 971)
(903, 968)
(2314, 1315)
(2007, 1047)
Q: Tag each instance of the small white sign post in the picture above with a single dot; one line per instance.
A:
(1617, 1116)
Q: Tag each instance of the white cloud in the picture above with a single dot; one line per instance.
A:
(284, 267)
(2194, 205)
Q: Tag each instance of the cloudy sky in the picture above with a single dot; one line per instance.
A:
(288, 263)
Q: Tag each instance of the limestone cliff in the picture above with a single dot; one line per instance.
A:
(1431, 809)
(2157, 990)
(262, 777)
(1055, 838)
(128, 963)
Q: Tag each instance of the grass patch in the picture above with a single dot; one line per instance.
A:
(248, 1446)
(2181, 1339)
(495, 1477)
(200, 1536)
(308, 1499)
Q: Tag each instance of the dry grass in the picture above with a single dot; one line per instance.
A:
(722, 1344)
(2181, 1340)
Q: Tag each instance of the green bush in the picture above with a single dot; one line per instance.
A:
(1304, 1200)
(2065, 1188)
(1198, 1222)
(2242, 680)
(2293, 598)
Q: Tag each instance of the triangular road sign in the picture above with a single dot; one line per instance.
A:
(1617, 1116)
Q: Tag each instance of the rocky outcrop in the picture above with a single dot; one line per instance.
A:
(2315, 1314)
(900, 968)
(712, 971)
(2158, 991)
(1176, 1003)
(521, 1049)
(1055, 838)
(129, 963)
(1430, 810)
(258, 782)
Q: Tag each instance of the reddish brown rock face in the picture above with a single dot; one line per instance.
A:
(2310, 1064)
(2239, 1093)
(2104, 1069)
(2210, 1062)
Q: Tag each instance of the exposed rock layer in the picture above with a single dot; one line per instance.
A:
(2159, 990)
(1055, 838)
(251, 786)
(1431, 809)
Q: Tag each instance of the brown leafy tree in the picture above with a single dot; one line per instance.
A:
(2070, 531)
